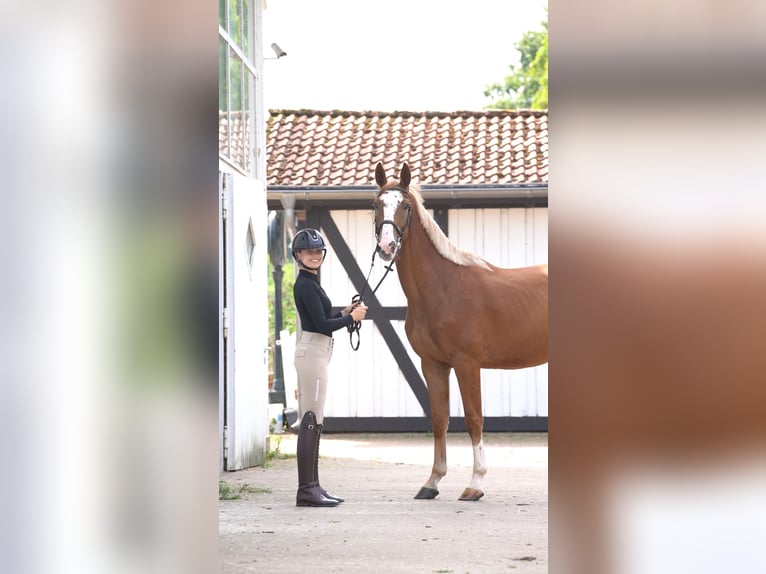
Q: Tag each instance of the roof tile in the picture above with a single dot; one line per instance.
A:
(310, 147)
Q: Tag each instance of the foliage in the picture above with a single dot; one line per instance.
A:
(527, 84)
(226, 492)
(288, 304)
(276, 453)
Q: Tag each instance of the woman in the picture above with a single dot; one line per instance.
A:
(312, 355)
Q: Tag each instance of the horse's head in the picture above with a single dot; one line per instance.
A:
(393, 211)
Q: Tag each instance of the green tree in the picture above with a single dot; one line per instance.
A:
(527, 84)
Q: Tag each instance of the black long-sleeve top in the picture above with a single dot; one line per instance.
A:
(314, 306)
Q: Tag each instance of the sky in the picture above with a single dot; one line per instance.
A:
(405, 55)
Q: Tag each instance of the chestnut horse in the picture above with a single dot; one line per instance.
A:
(463, 313)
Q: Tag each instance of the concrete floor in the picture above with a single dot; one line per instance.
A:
(381, 528)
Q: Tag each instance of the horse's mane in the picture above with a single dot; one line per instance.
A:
(441, 242)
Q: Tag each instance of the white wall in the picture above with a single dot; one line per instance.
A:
(245, 377)
(367, 382)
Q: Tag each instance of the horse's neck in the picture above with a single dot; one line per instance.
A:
(419, 262)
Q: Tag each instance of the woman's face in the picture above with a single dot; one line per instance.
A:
(311, 258)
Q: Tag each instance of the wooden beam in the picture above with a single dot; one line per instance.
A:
(418, 424)
(376, 311)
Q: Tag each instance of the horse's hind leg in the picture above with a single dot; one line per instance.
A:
(469, 381)
(437, 378)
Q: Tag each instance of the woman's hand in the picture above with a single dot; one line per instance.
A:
(348, 309)
(359, 311)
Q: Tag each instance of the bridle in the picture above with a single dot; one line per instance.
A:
(399, 231)
(355, 326)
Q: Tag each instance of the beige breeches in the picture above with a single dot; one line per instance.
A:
(313, 352)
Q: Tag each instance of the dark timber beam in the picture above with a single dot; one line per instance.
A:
(419, 424)
(376, 311)
(441, 216)
(386, 313)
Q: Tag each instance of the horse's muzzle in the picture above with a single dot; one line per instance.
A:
(384, 255)
(387, 240)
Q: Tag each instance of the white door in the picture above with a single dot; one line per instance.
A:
(243, 394)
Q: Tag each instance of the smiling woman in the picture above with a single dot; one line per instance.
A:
(313, 352)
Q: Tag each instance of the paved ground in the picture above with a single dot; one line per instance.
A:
(381, 528)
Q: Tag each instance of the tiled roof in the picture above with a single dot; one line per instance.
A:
(329, 148)
(232, 142)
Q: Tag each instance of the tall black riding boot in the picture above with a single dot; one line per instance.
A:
(316, 469)
(309, 491)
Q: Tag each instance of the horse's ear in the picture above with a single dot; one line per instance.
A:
(380, 175)
(404, 178)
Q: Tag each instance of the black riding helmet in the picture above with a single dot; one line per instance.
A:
(308, 239)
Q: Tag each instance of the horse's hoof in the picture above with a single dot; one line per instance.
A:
(471, 494)
(426, 493)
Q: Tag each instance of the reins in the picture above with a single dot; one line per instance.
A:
(355, 326)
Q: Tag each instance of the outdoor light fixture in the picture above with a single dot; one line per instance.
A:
(278, 51)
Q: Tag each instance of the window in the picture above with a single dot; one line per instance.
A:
(236, 82)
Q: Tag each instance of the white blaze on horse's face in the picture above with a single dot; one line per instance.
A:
(387, 240)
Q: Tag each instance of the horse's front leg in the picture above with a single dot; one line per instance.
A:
(469, 380)
(437, 379)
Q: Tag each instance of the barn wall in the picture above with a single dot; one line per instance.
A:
(368, 382)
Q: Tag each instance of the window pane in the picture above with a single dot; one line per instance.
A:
(236, 70)
(223, 99)
(246, 29)
(236, 84)
(222, 13)
(235, 22)
(246, 119)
